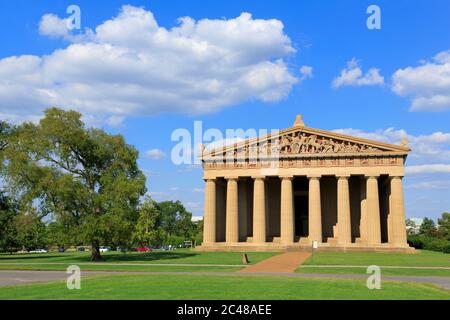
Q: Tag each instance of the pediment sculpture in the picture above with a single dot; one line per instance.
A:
(297, 143)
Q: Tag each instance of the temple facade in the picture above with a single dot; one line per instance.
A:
(303, 186)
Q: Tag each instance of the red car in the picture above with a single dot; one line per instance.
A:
(143, 249)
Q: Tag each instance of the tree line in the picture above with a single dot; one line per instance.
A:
(65, 184)
(429, 235)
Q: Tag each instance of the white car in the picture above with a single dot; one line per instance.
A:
(39, 251)
(104, 249)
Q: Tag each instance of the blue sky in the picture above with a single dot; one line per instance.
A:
(407, 93)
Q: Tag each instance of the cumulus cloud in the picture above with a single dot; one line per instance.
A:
(129, 65)
(306, 72)
(428, 85)
(155, 154)
(352, 75)
(428, 168)
(53, 26)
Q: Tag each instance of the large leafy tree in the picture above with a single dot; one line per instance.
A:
(8, 208)
(176, 220)
(428, 227)
(148, 228)
(31, 232)
(8, 231)
(444, 225)
(83, 174)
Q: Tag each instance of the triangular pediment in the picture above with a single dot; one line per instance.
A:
(300, 141)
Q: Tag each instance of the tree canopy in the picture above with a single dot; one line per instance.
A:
(84, 175)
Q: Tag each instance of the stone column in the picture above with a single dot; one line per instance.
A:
(287, 210)
(397, 211)
(314, 210)
(259, 211)
(343, 210)
(209, 223)
(373, 228)
(232, 218)
(243, 210)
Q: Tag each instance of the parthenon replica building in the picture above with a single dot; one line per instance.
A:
(304, 186)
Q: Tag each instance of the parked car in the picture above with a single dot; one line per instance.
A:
(143, 249)
(39, 251)
(104, 249)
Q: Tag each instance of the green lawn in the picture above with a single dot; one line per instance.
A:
(134, 261)
(421, 258)
(214, 287)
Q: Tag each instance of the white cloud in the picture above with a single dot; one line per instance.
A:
(131, 65)
(428, 168)
(155, 154)
(428, 85)
(306, 72)
(194, 206)
(115, 120)
(352, 75)
(54, 27)
(432, 184)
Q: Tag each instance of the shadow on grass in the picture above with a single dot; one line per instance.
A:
(25, 256)
(109, 257)
(146, 257)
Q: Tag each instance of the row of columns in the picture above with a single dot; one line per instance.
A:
(370, 225)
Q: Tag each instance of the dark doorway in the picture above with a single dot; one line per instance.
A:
(301, 206)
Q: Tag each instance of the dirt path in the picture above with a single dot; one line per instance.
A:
(286, 262)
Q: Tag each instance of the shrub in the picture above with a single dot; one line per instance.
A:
(416, 241)
(429, 243)
(434, 244)
(447, 248)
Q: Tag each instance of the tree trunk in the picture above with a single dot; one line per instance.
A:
(95, 256)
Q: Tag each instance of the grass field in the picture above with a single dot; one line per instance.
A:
(214, 287)
(112, 261)
(421, 258)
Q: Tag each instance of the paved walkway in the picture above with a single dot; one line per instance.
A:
(14, 277)
(286, 262)
(360, 266)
